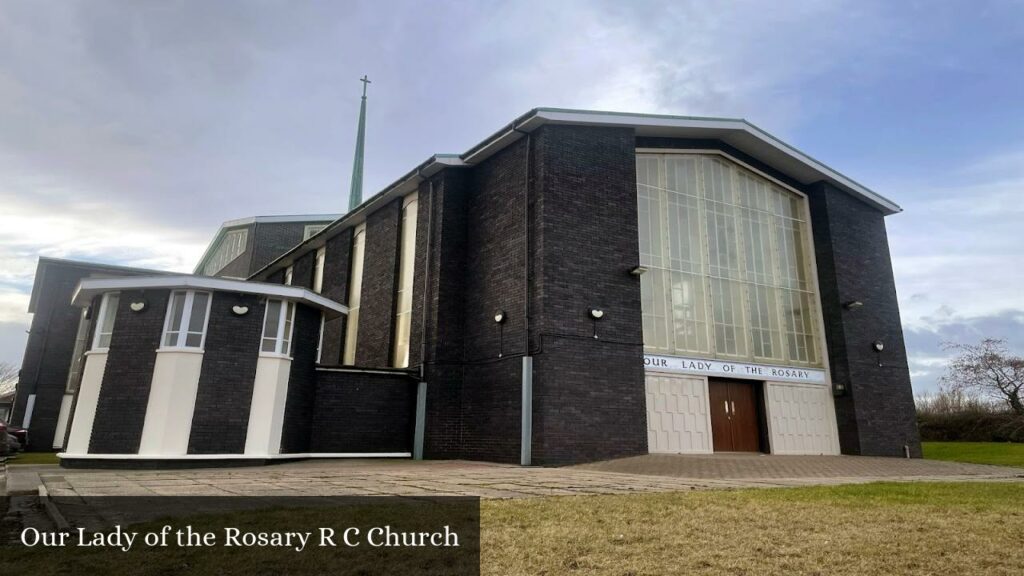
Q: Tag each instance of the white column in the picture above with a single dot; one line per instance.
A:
(85, 409)
(266, 414)
(172, 401)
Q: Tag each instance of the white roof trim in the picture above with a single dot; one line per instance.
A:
(764, 139)
(91, 287)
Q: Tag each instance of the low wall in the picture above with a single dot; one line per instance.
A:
(358, 412)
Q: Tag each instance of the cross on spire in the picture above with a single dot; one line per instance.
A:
(355, 195)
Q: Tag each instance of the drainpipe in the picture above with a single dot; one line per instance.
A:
(526, 438)
(421, 387)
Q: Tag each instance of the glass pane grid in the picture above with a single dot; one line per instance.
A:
(707, 217)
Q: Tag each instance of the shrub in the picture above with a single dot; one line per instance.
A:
(951, 416)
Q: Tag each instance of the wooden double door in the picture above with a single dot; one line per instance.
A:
(735, 415)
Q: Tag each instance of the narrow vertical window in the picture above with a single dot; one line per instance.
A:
(318, 271)
(277, 327)
(78, 354)
(320, 340)
(185, 325)
(406, 268)
(105, 322)
(355, 287)
(288, 275)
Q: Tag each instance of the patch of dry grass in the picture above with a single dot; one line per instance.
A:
(967, 528)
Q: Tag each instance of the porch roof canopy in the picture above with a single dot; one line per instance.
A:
(89, 288)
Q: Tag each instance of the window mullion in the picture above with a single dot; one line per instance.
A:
(283, 316)
(186, 318)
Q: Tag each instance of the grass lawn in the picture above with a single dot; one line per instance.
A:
(998, 453)
(884, 528)
(34, 458)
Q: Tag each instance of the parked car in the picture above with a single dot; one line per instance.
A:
(13, 445)
(20, 433)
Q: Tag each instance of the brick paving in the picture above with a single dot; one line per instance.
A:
(652, 473)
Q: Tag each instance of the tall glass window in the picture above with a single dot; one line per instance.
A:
(105, 322)
(728, 271)
(406, 266)
(318, 270)
(185, 325)
(277, 327)
(355, 287)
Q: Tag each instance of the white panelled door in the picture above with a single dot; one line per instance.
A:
(678, 420)
(801, 419)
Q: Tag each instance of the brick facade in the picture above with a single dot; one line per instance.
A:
(357, 412)
(298, 409)
(544, 229)
(380, 273)
(589, 398)
(224, 393)
(876, 413)
(124, 391)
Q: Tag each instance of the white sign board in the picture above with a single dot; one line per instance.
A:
(727, 369)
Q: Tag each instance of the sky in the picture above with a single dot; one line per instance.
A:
(130, 130)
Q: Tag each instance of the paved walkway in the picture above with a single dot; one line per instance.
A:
(653, 473)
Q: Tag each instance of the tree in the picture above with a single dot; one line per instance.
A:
(987, 370)
(8, 377)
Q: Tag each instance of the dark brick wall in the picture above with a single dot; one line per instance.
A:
(380, 272)
(224, 395)
(302, 270)
(495, 255)
(298, 410)
(124, 391)
(491, 403)
(47, 360)
(876, 415)
(589, 400)
(273, 240)
(337, 264)
(363, 412)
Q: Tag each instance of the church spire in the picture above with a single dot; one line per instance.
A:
(355, 195)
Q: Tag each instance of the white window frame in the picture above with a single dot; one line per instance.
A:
(318, 269)
(289, 275)
(285, 320)
(310, 230)
(355, 286)
(181, 334)
(404, 285)
(806, 248)
(231, 246)
(104, 304)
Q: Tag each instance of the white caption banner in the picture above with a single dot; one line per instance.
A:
(704, 367)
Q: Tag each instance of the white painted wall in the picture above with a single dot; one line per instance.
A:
(62, 420)
(678, 415)
(85, 410)
(266, 415)
(172, 400)
(801, 419)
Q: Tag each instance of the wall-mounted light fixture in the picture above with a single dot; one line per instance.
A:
(638, 270)
(499, 318)
(240, 310)
(838, 389)
(852, 304)
(137, 306)
(595, 315)
(878, 345)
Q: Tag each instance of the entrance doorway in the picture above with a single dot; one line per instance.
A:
(735, 415)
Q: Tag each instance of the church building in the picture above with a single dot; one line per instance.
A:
(579, 286)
